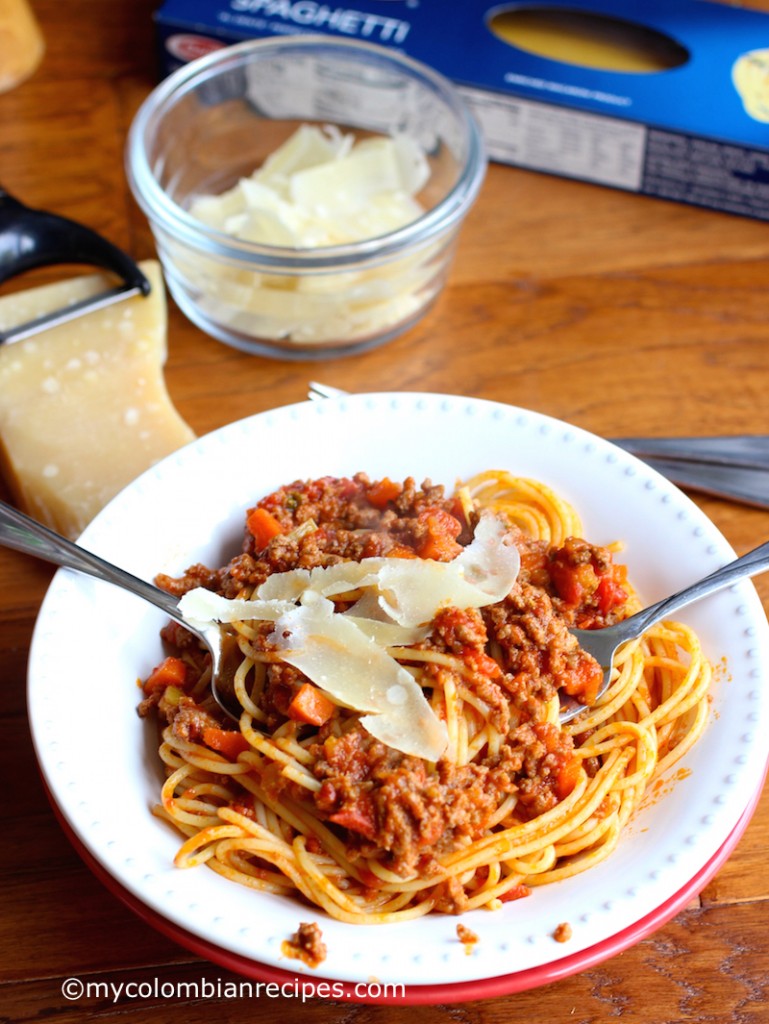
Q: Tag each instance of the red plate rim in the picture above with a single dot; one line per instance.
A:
(414, 995)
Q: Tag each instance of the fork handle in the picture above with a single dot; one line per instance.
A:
(751, 564)
(748, 450)
(747, 484)
(26, 535)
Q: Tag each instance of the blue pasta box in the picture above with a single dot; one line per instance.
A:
(667, 98)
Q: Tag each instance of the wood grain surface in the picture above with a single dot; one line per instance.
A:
(619, 313)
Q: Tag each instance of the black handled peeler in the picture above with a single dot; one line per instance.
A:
(35, 238)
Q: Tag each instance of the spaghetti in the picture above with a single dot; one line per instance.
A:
(302, 800)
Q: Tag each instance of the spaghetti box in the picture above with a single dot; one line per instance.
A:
(668, 98)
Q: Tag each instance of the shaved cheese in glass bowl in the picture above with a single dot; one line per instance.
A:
(305, 194)
(320, 188)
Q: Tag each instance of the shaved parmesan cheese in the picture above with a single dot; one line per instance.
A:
(412, 590)
(284, 586)
(307, 147)
(345, 653)
(312, 191)
(337, 656)
(201, 607)
(320, 188)
(389, 634)
(346, 185)
(84, 407)
(328, 581)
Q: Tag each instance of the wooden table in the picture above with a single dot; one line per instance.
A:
(605, 309)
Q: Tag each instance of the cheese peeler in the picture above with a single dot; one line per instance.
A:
(32, 238)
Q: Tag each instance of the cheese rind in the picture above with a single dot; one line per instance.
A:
(84, 407)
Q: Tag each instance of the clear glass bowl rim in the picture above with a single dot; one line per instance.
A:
(166, 215)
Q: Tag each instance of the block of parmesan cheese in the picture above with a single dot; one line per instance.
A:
(83, 406)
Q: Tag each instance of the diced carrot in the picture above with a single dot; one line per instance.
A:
(584, 680)
(263, 526)
(573, 583)
(439, 541)
(225, 741)
(401, 551)
(170, 672)
(568, 777)
(310, 705)
(383, 491)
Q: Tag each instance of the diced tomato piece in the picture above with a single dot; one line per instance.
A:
(479, 661)
(310, 705)
(368, 878)
(383, 491)
(263, 526)
(225, 741)
(610, 592)
(517, 892)
(439, 539)
(358, 818)
(170, 672)
(347, 488)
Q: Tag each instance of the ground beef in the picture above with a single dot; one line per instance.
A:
(306, 944)
(188, 721)
(195, 576)
(467, 937)
(457, 630)
(536, 649)
(349, 528)
(281, 686)
(463, 634)
(513, 657)
(393, 802)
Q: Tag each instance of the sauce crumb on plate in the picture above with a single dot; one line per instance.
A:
(563, 932)
(467, 937)
(306, 944)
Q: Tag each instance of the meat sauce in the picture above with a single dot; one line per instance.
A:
(516, 656)
(306, 944)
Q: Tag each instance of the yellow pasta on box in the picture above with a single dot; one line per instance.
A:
(84, 407)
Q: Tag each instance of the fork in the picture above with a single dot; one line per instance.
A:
(604, 643)
(19, 532)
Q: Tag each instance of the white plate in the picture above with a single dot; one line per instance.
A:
(92, 642)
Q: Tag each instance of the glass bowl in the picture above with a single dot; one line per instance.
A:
(215, 121)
